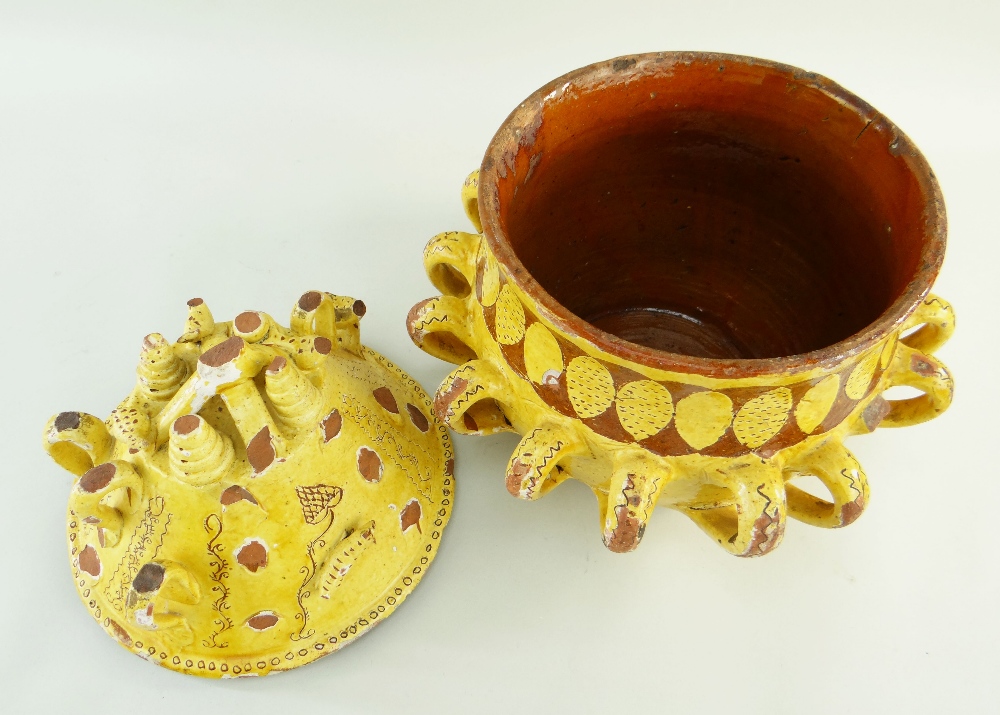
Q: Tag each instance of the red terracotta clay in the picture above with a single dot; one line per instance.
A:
(679, 206)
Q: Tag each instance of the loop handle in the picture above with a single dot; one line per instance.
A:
(468, 400)
(916, 369)
(450, 262)
(913, 365)
(937, 320)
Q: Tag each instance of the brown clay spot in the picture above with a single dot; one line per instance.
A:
(359, 308)
(418, 418)
(276, 364)
(331, 425)
(323, 345)
(262, 621)
(875, 412)
(223, 352)
(369, 464)
(383, 395)
(97, 478)
(187, 424)
(449, 468)
(515, 476)
(922, 367)
(153, 341)
(120, 633)
(852, 510)
(470, 423)
(260, 451)
(195, 302)
(627, 534)
(149, 578)
(234, 494)
(247, 322)
(67, 420)
(410, 516)
(252, 556)
(90, 561)
(311, 300)
(764, 541)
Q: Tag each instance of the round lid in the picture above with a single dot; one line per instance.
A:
(263, 496)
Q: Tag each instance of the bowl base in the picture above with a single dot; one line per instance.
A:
(671, 331)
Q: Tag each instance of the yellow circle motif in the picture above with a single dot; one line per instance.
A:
(762, 417)
(861, 376)
(509, 317)
(887, 352)
(543, 358)
(816, 403)
(491, 281)
(644, 408)
(591, 389)
(702, 418)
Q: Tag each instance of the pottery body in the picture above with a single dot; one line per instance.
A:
(262, 497)
(689, 284)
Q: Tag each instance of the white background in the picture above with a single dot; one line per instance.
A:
(245, 152)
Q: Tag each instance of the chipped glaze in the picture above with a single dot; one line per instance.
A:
(236, 515)
(697, 354)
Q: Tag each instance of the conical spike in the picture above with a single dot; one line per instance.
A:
(296, 401)
(531, 472)
(200, 323)
(161, 372)
(220, 368)
(632, 493)
(199, 455)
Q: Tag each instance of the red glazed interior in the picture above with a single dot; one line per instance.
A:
(712, 206)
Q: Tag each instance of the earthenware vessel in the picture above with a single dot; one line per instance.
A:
(688, 285)
(261, 498)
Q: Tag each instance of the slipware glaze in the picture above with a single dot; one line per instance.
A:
(694, 275)
(262, 497)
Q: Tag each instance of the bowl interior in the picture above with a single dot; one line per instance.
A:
(712, 208)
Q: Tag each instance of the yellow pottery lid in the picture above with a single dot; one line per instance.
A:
(261, 498)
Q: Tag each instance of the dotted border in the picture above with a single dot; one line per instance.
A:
(324, 644)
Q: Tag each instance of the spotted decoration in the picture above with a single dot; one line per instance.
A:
(584, 386)
(206, 536)
(509, 317)
(762, 418)
(590, 386)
